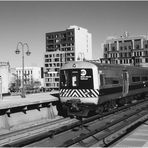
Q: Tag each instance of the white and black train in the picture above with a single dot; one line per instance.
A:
(92, 87)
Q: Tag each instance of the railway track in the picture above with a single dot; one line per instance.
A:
(110, 132)
(30, 131)
(100, 129)
(100, 132)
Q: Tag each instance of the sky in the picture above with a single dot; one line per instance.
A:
(29, 21)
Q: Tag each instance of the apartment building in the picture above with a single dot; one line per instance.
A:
(72, 44)
(126, 50)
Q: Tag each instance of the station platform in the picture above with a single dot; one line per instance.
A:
(17, 111)
(138, 138)
(13, 101)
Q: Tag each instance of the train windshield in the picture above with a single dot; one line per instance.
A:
(76, 78)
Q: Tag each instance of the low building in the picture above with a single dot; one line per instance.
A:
(31, 74)
(4, 77)
(126, 50)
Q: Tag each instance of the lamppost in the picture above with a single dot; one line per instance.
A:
(17, 51)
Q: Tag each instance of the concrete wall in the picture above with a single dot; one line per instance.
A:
(20, 118)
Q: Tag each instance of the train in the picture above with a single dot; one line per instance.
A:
(91, 87)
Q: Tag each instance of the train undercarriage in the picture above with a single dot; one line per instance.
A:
(74, 107)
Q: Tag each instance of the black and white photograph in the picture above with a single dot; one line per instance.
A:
(73, 73)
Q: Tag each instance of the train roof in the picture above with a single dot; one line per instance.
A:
(98, 64)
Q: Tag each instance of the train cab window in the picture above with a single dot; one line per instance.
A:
(76, 78)
(64, 75)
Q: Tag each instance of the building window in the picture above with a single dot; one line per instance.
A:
(124, 61)
(129, 54)
(56, 59)
(138, 60)
(105, 55)
(113, 48)
(137, 46)
(130, 61)
(46, 56)
(105, 49)
(121, 48)
(56, 79)
(46, 65)
(129, 47)
(46, 60)
(57, 69)
(146, 53)
(146, 60)
(50, 80)
(125, 48)
(121, 55)
(146, 45)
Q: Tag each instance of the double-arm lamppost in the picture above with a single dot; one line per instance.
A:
(17, 51)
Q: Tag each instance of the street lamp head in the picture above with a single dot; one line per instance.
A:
(28, 53)
(17, 51)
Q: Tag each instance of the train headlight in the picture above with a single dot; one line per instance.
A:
(74, 65)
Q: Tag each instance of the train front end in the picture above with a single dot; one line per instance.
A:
(79, 85)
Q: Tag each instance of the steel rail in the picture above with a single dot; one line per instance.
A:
(34, 127)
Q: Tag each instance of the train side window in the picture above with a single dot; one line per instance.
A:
(135, 79)
(115, 82)
(111, 80)
(144, 78)
(102, 81)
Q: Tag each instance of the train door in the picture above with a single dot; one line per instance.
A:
(125, 88)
